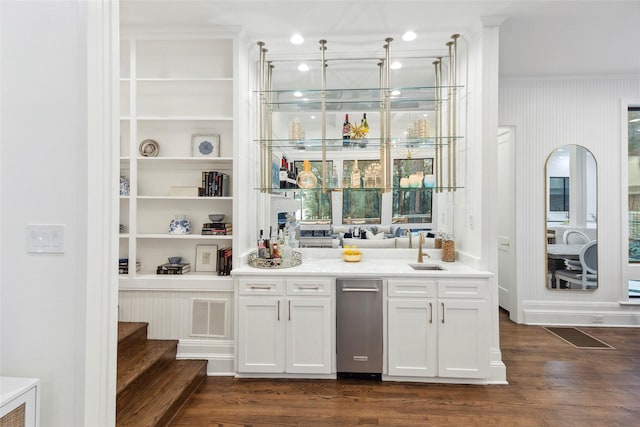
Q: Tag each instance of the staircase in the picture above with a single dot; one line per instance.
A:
(152, 385)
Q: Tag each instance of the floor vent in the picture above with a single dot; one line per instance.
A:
(577, 338)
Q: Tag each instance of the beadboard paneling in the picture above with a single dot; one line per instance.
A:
(169, 312)
(547, 114)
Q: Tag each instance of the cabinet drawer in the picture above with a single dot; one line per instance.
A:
(260, 286)
(411, 288)
(462, 288)
(319, 286)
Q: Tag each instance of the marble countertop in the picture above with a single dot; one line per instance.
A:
(375, 262)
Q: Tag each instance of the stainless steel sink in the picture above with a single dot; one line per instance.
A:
(431, 267)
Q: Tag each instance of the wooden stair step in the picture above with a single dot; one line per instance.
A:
(157, 403)
(131, 334)
(137, 364)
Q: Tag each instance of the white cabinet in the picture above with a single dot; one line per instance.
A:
(463, 329)
(20, 401)
(285, 326)
(261, 334)
(308, 338)
(171, 90)
(412, 337)
(437, 329)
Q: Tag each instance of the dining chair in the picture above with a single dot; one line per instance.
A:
(587, 277)
(574, 237)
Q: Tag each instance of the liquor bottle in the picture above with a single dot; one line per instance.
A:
(306, 178)
(355, 175)
(364, 123)
(261, 246)
(283, 173)
(291, 177)
(346, 131)
(345, 175)
(267, 249)
(334, 177)
(271, 242)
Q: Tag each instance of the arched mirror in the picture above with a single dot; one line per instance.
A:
(571, 219)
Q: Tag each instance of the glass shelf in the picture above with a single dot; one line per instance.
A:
(340, 189)
(301, 96)
(337, 144)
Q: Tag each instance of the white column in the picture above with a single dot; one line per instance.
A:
(103, 45)
(489, 164)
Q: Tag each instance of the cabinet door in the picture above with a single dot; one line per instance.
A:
(261, 334)
(463, 338)
(412, 341)
(309, 336)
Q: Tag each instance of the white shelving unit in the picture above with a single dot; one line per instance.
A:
(173, 87)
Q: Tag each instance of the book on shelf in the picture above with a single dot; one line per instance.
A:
(216, 228)
(215, 184)
(123, 266)
(182, 268)
(224, 261)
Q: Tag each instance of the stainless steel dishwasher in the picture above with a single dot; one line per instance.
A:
(359, 326)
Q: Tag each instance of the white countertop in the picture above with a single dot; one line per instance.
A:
(11, 387)
(375, 262)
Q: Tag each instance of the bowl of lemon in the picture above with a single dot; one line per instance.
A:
(351, 254)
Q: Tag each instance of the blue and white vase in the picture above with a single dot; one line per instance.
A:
(180, 225)
(124, 186)
(429, 181)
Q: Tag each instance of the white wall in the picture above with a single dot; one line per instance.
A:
(549, 113)
(43, 181)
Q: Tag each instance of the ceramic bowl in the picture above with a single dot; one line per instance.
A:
(175, 259)
(216, 217)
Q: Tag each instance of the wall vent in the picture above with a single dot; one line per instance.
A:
(208, 317)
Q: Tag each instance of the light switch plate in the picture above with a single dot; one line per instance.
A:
(45, 238)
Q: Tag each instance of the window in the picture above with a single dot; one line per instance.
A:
(634, 184)
(315, 204)
(412, 190)
(361, 196)
(559, 194)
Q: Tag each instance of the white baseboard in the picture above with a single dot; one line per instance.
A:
(219, 354)
(497, 368)
(580, 313)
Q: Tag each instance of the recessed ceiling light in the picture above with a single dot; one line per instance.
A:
(303, 67)
(297, 93)
(395, 92)
(395, 65)
(296, 39)
(409, 36)
(313, 117)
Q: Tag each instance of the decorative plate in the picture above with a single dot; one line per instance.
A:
(149, 148)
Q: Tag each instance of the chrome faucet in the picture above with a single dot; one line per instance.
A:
(420, 252)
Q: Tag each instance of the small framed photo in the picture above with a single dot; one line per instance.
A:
(206, 257)
(205, 145)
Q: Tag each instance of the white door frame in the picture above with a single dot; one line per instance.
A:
(103, 46)
(628, 271)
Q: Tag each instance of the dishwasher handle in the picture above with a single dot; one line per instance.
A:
(360, 290)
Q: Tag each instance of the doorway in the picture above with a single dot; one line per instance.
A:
(506, 211)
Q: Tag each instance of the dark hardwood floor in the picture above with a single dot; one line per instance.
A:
(551, 383)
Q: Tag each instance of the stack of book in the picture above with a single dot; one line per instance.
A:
(224, 261)
(215, 184)
(173, 268)
(216, 228)
(123, 265)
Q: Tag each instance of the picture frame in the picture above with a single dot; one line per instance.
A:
(205, 145)
(206, 258)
